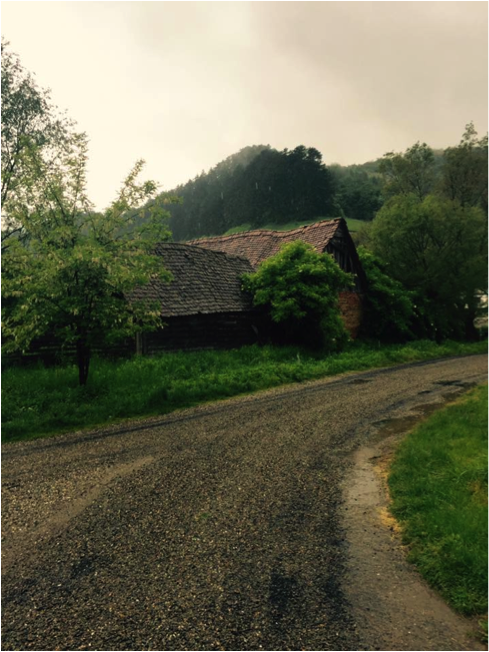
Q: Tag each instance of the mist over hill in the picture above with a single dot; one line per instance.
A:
(260, 186)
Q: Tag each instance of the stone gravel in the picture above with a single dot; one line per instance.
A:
(216, 528)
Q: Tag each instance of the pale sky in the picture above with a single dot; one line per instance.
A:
(185, 84)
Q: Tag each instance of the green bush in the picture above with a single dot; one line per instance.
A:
(389, 308)
(299, 289)
(437, 249)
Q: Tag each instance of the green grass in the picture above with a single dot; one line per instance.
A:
(353, 225)
(438, 486)
(239, 229)
(39, 401)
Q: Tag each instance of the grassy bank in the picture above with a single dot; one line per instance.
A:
(438, 485)
(39, 401)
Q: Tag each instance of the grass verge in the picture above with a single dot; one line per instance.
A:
(38, 401)
(438, 486)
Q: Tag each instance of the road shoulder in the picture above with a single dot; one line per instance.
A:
(393, 606)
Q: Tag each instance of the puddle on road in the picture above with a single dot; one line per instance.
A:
(455, 383)
(399, 425)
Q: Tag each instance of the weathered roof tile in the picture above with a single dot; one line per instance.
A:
(259, 245)
(204, 281)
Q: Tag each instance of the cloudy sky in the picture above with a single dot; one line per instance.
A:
(185, 84)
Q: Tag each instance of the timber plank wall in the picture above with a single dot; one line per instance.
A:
(212, 331)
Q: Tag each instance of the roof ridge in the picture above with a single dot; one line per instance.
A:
(235, 236)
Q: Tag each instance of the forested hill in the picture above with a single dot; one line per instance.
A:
(260, 185)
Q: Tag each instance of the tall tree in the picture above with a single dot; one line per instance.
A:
(29, 120)
(72, 276)
(388, 306)
(257, 186)
(358, 193)
(412, 172)
(464, 171)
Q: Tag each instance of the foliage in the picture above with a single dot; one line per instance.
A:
(38, 400)
(410, 173)
(437, 249)
(257, 185)
(299, 289)
(72, 274)
(464, 171)
(28, 120)
(388, 306)
(438, 486)
(260, 186)
(358, 193)
(69, 270)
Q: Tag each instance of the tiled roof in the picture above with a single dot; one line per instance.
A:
(204, 281)
(256, 246)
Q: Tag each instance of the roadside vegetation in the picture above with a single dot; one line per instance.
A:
(39, 401)
(438, 485)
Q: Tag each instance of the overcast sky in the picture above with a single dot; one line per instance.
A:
(185, 84)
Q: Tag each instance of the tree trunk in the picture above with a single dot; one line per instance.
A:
(83, 360)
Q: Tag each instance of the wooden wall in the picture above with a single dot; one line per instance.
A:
(214, 331)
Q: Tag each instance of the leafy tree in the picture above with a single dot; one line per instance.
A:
(410, 173)
(358, 193)
(28, 120)
(438, 249)
(72, 275)
(464, 171)
(299, 288)
(388, 307)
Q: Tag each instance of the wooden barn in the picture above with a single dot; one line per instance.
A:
(327, 236)
(204, 305)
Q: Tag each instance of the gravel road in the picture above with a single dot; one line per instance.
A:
(215, 528)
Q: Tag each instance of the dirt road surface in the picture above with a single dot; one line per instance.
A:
(223, 527)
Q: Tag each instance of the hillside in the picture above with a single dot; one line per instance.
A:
(258, 185)
(261, 187)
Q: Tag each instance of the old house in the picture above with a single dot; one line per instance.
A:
(204, 305)
(328, 236)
